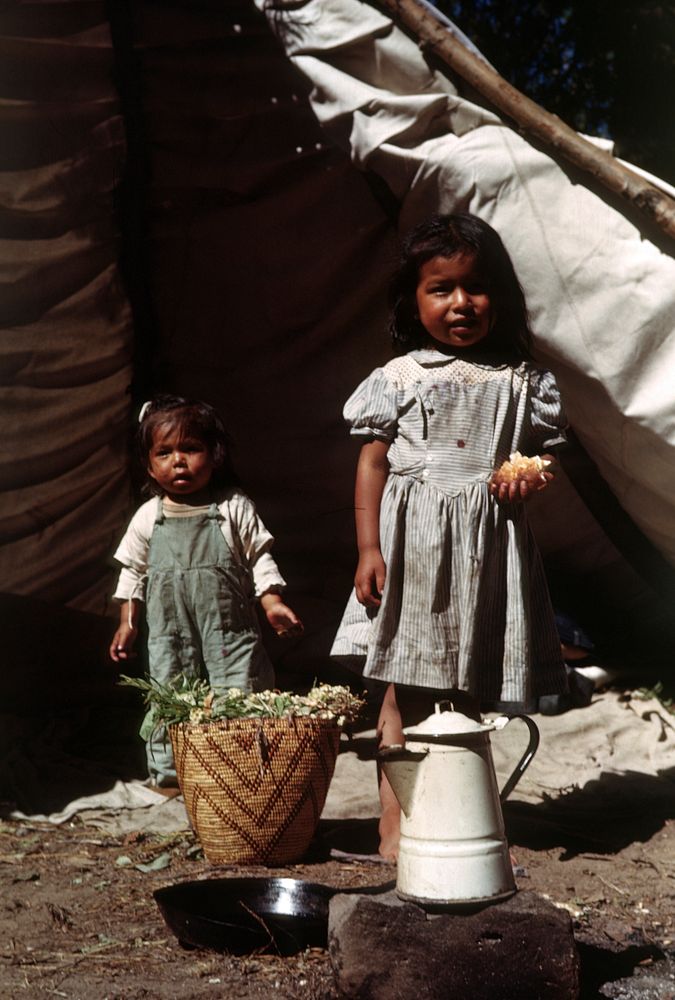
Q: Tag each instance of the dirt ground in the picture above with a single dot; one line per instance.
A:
(78, 919)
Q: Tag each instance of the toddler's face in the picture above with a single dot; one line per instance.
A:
(181, 465)
(453, 302)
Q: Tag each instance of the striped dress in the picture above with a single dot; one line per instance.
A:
(465, 602)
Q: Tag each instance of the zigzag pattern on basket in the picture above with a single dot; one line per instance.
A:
(254, 788)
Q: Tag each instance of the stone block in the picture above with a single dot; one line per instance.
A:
(521, 949)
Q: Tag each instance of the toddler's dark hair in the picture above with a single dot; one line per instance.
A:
(191, 418)
(448, 236)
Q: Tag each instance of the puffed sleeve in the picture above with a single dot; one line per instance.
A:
(254, 542)
(132, 552)
(372, 409)
(549, 420)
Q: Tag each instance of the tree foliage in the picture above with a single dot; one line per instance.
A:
(606, 67)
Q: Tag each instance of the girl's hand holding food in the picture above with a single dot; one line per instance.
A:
(520, 477)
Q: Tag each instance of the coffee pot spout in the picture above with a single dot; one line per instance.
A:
(402, 770)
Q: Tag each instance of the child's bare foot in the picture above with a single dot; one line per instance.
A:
(168, 791)
(390, 834)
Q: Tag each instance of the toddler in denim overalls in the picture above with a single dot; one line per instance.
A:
(197, 555)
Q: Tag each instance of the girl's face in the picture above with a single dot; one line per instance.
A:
(180, 463)
(453, 304)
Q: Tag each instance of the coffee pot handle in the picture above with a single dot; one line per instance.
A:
(525, 760)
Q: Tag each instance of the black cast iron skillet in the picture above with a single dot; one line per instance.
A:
(242, 915)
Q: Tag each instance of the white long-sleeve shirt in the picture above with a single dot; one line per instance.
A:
(244, 532)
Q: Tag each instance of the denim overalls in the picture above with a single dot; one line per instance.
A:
(201, 618)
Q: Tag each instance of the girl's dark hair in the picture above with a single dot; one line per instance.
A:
(190, 418)
(448, 236)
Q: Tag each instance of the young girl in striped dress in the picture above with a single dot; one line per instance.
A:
(450, 598)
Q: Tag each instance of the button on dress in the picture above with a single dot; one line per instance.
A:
(465, 603)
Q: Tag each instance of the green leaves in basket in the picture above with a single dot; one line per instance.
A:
(192, 700)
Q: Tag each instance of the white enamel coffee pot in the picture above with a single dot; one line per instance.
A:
(453, 851)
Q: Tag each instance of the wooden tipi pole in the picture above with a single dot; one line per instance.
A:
(531, 119)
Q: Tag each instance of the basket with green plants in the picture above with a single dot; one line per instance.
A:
(254, 767)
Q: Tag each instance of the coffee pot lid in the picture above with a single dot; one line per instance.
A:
(446, 723)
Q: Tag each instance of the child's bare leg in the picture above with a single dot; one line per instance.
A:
(407, 706)
(390, 732)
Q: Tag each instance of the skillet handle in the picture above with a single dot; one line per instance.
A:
(526, 759)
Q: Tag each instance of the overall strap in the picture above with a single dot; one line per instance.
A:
(213, 513)
(159, 513)
(216, 517)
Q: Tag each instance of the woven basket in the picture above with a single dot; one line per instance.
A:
(254, 788)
